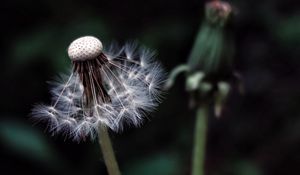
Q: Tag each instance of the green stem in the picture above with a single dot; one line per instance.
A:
(175, 72)
(108, 152)
(200, 140)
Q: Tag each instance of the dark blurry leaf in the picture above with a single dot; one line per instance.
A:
(51, 42)
(288, 31)
(246, 168)
(162, 164)
(45, 43)
(24, 140)
(170, 32)
(32, 45)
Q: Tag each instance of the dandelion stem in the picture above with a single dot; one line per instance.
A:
(200, 140)
(108, 152)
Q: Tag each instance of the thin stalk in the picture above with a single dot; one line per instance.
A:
(200, 140)
(108, 152)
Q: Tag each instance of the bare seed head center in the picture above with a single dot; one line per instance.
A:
(85, 48)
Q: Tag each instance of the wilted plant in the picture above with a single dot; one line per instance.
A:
(209, 71)
(107, 88)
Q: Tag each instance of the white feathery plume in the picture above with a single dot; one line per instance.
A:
(110, 87)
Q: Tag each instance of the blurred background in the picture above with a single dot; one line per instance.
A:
(258, 134)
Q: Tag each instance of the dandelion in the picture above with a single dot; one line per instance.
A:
(209, 71)
(110, 87)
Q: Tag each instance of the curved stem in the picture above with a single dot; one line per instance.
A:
(108, 152)
(173, 75)
(200, 140)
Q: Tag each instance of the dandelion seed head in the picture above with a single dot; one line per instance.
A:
(113, 88)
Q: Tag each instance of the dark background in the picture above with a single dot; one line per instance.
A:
(259, 133)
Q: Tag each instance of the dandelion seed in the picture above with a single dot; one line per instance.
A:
(111, 88)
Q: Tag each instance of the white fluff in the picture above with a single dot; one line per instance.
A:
(133, 81)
